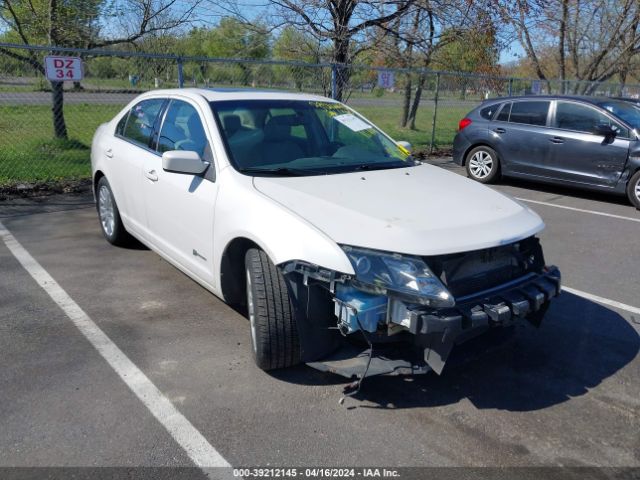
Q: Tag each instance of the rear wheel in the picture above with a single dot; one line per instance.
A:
(633, 190)
(483, 164)
(274, 334)
(109, 215)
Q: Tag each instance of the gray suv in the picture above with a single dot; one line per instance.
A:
(585, 142)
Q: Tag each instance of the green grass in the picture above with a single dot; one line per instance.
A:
(388, 119)
(30, 153)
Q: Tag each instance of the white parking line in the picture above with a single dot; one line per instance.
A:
(184, 433)
(605, 301)
(593, 212)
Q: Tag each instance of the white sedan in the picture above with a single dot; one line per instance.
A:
(344, 251)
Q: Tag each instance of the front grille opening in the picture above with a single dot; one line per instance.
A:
(471, 272)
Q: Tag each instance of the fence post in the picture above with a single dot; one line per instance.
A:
(435, 113)
(334, 81)
(510, 87)
(180, 73)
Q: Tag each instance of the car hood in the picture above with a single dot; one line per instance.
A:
(422, 210)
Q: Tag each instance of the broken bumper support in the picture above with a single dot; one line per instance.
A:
(436, 332)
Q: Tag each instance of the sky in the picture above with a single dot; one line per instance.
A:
(210, 12)
(511, 54)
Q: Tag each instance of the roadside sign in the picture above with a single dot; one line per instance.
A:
(385, 79)
(63, 68)
(536, 87)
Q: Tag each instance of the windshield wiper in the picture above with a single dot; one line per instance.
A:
(382, 166)
(281, 171)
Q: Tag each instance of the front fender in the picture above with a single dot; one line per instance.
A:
(244, 212)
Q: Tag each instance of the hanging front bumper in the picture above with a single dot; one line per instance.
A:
(433, 333)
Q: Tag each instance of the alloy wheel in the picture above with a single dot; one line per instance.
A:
(106, 210)
(481, 164)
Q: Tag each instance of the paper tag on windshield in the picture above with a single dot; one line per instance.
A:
(352, 122)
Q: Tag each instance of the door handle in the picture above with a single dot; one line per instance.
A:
(557, 140)
(109, 153)
(499, 130)
(151, 175)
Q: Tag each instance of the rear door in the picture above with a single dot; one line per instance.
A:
(180, 207)
(578, 154)
(130, 149)
(521, 136)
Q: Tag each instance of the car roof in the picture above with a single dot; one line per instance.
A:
(594, 100)
(221, 94)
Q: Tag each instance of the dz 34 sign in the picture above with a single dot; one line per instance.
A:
(63, 68)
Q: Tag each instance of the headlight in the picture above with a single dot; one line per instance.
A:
(409, 277)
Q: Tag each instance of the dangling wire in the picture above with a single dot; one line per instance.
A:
(355, 386)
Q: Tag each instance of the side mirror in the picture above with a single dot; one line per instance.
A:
(606, 131)
(406, 145)
(183, 161)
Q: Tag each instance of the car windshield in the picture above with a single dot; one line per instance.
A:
(624, 110)
(294, 137)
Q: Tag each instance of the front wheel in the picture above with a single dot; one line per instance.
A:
(483, 164)
(274, 333)
(633, 190)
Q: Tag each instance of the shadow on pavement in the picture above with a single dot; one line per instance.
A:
(579, 344)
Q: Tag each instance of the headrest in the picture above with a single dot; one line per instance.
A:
(231, 124)
(277, 129)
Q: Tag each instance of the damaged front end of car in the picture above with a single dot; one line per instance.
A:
(403, 314)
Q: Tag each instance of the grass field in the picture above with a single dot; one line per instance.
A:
(387, 118)
(29, 153)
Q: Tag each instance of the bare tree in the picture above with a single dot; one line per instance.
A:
(343, 23)
(74, 23)
(413, 39)
(595, 40)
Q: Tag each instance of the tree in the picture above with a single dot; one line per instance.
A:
(296, 46)
(232, 38)
(157, 42)
(342, 23)
(595, 40)
(414, 39)
(76, 23)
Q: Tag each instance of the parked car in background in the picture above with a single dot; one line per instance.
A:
(584, 142)
(319, 225)
(634, 101)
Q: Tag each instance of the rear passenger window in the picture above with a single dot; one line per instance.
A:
(503, 116)
(489, 112)
(530, 113)
(139, 126)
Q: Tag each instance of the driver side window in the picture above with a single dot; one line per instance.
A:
(182, 129)
(581, 118)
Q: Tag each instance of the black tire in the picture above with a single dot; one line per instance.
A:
(274, 333)
(633, 190)
(114, 230)
(483, 164)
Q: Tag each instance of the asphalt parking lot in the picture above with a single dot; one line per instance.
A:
(566, 394)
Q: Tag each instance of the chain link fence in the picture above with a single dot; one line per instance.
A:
(46, 127)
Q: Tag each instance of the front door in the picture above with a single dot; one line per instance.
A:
(581, 156)
(180, 207)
